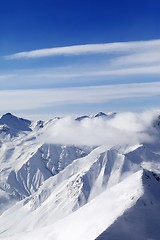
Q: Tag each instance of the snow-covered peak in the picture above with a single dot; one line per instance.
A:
(37, 125)
(97, 115)
(143, 215)
(15, 123)
(105, 115)
(100, 114)
(81, 118)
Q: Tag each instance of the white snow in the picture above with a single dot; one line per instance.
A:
(93, 218)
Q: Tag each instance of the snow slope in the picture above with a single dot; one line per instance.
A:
(90, 220)
(141, 221)
(26, 163)
(76, 192)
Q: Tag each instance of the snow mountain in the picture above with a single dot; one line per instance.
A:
(57, 191)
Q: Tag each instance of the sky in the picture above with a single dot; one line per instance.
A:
(79, 57)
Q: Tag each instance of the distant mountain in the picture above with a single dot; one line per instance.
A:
(55, 191)
(104, 115)
(13, 125)
(97, 115)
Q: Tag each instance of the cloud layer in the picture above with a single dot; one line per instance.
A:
(83, 79)
(124, 128)
(40, 98)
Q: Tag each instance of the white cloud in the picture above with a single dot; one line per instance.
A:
(123, 71)
(125, 59)
(6, 76)
(118, 47)
(124, 128)
(139, 58)
(11, 100)
(55, 76)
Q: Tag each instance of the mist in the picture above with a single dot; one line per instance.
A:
(124, 128)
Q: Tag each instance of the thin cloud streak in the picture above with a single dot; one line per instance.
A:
(118, 47)
(13, 100)
(139, 58)
(6, 76)
(52, 75)
(125, 71)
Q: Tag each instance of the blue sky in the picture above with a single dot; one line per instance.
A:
(78, 57)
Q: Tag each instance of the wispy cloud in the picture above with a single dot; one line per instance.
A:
(42, 77)
(12, 100)
(121, 59)
(139, 58)
(119, 47)
(123, 71)
(6, 76)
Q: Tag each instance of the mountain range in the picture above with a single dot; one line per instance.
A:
(66, 191)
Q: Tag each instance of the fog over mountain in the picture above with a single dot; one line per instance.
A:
(90, 177)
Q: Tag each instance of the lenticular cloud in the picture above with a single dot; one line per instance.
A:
(123, 128)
